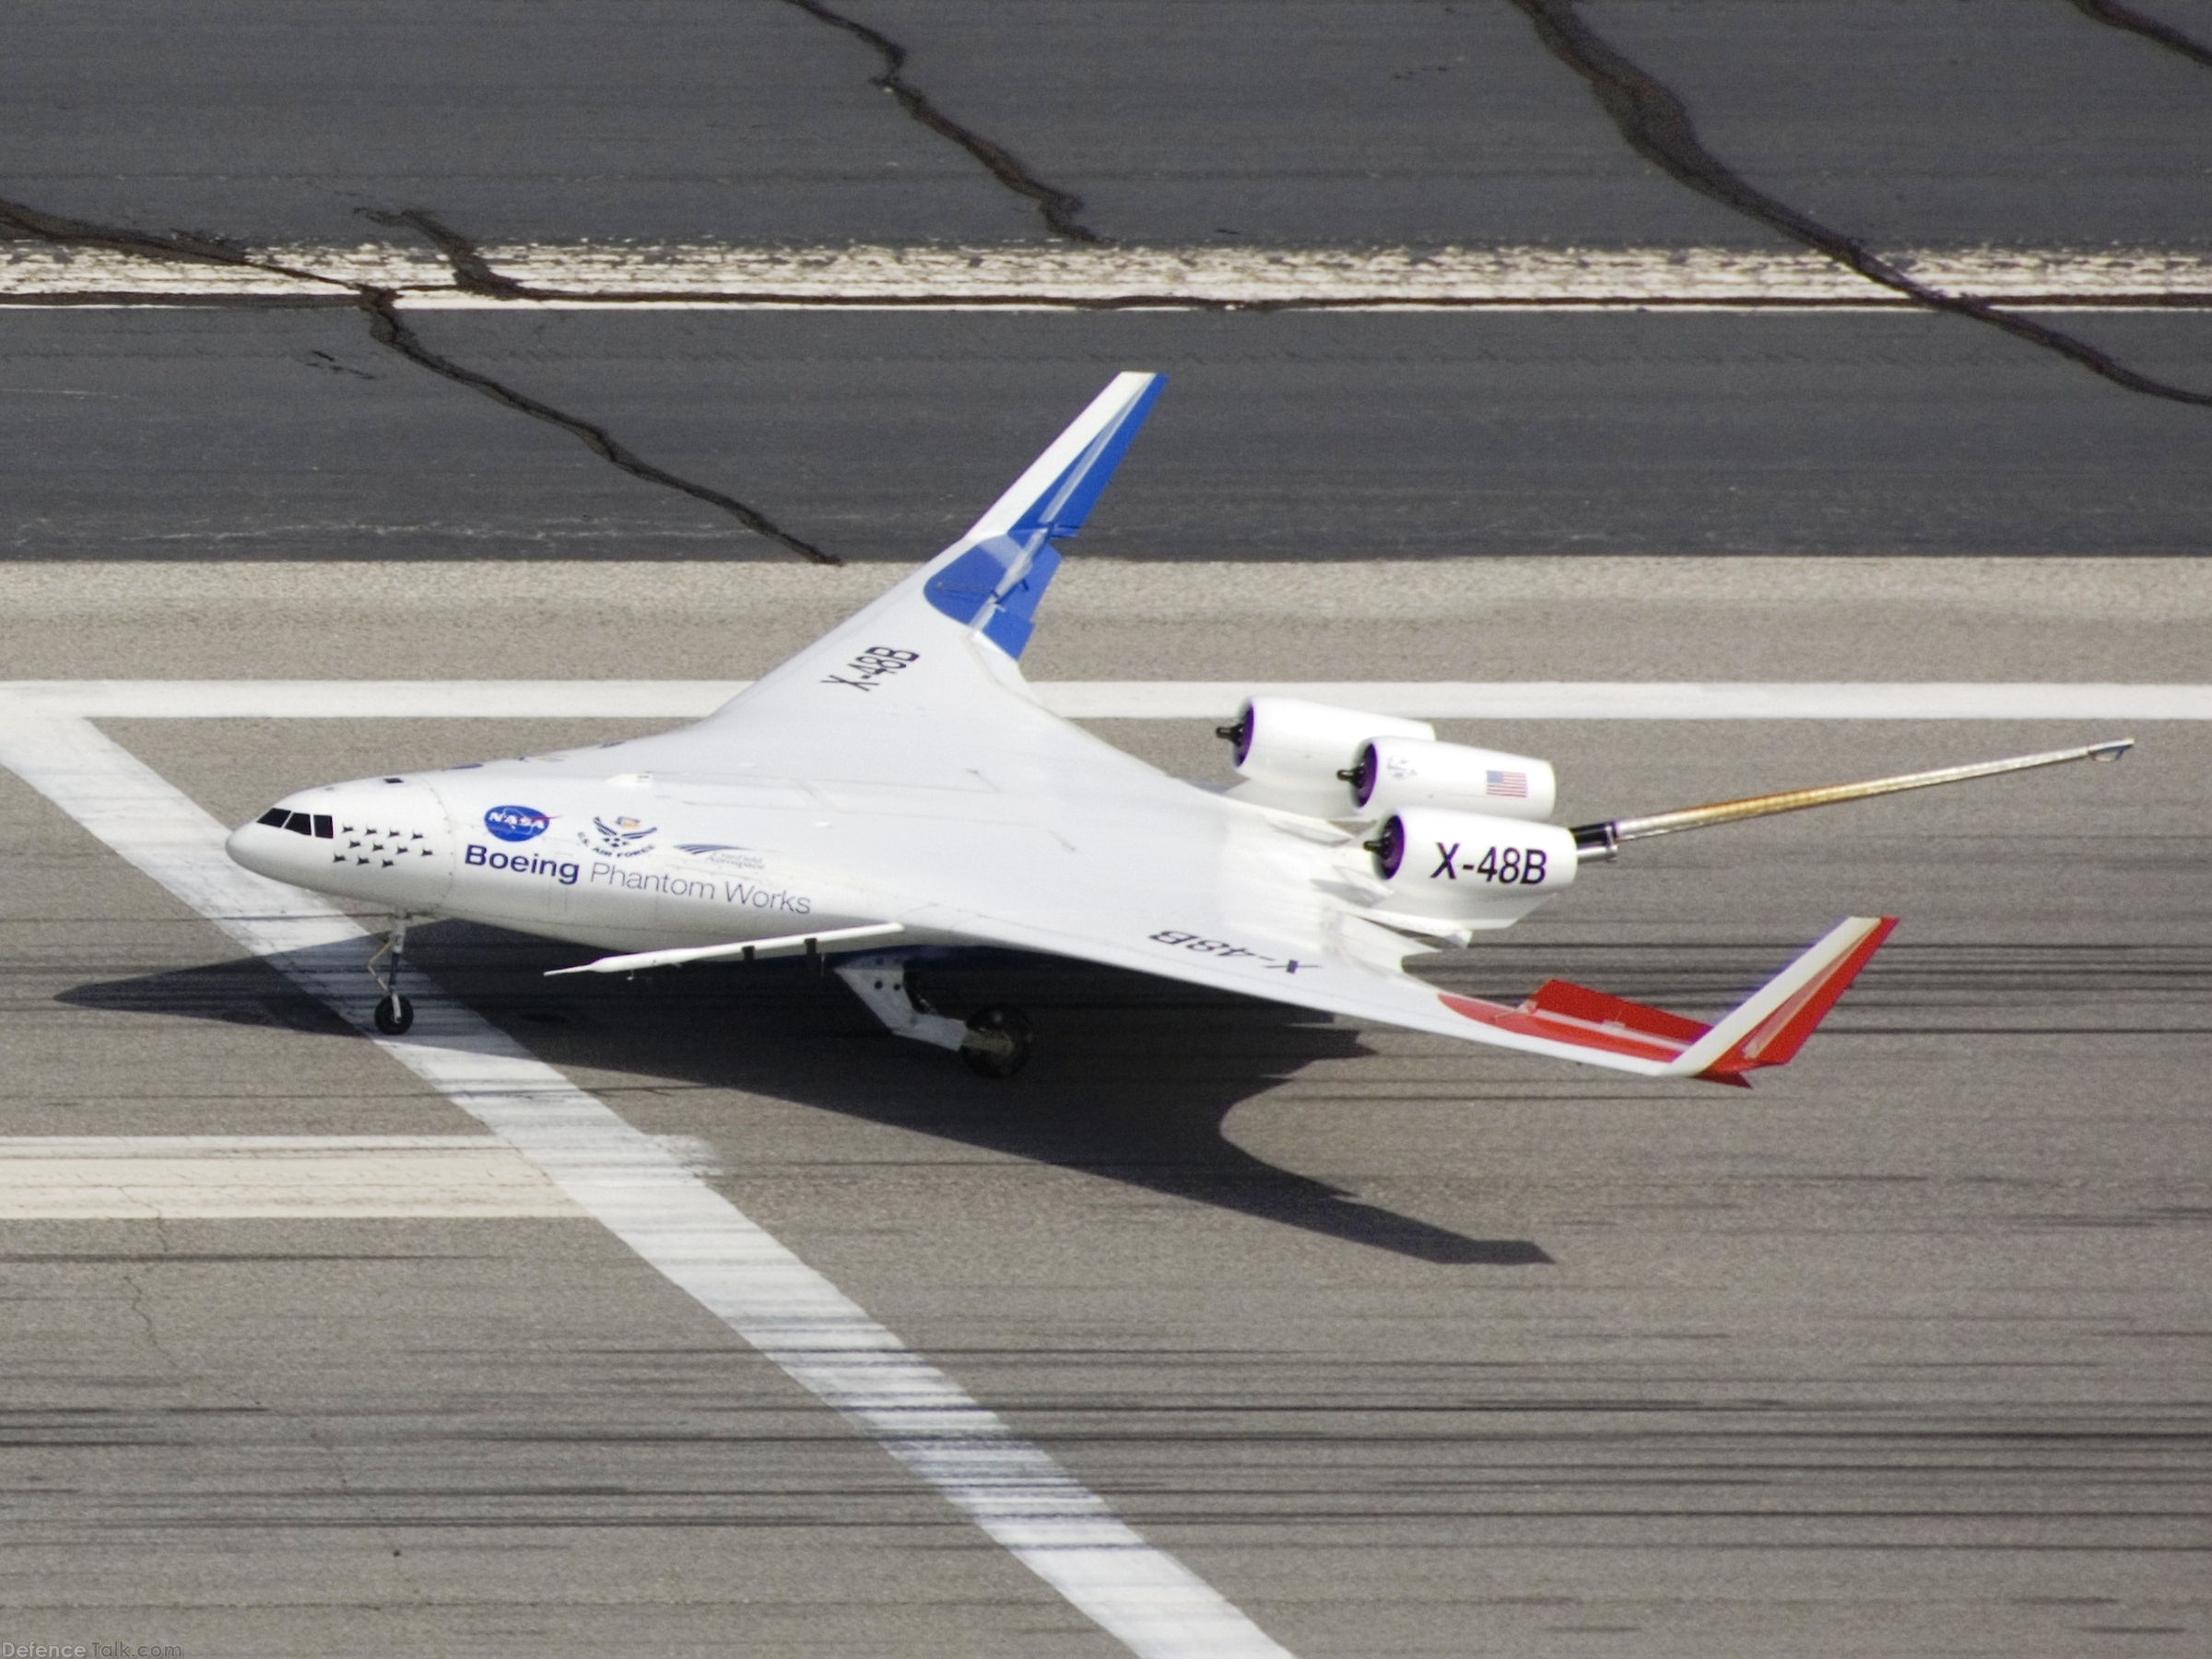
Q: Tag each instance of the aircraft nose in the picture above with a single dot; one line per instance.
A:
(246, 845)
(386, 840)
(282, 843)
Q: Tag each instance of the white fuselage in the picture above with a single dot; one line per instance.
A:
(628, 864)
(664, 855)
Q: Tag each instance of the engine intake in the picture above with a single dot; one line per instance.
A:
(1472, 868)
(1394, 772)
(1292, 752)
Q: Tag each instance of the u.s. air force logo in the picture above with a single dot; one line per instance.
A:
(624, 838)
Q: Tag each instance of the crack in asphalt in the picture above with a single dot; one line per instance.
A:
(381, 306)
(1057, 206)
(2117, 16)
(472, 272)
(388, 329)
(1656, 124)
(33, 225)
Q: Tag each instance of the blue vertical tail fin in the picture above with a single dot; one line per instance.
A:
(993, 576)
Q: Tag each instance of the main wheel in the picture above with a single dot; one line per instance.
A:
(393, 1014)
(997, 1044)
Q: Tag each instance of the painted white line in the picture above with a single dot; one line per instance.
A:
(1874, 300)
(368, 700)
(638, 1190)
(211, 1146)
(1646, 699)
(271, 1177)
(1130, 699)
(702, 275)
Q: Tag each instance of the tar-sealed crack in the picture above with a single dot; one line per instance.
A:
(1058, 207)
(2151, 28)
(389, 329)
(35, 226)
(381, 305)
(472, 272)
(1657, 126)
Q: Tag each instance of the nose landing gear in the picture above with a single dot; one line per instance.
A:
(393, 1013)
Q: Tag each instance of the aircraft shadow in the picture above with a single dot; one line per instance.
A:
(1132, 1080)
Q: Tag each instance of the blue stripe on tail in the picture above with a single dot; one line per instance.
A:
(1010, 625)
(975, 585)
(1060, 511)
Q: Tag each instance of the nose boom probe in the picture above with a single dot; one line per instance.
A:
(1594, 842)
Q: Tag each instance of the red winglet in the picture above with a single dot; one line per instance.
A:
(1779, 1018)
(1776, 1039)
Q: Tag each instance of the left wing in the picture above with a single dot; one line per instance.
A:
(1562, 1020)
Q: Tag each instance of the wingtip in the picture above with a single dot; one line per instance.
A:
(1834, 963)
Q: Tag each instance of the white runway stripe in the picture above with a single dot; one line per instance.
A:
(1130, 699)
(1646, 699)
(271, 1177)
(701, 275)
(630, 1182)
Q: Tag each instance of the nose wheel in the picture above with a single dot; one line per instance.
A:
(393, 1012)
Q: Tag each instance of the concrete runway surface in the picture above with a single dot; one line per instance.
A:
(1402, 1346)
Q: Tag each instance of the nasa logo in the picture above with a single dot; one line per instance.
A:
(516, 823)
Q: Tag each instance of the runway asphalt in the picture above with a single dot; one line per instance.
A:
(1396, 121)
(208, 434)
(1867, 132)
(1402, 1346)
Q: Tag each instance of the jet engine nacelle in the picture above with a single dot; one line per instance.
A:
(1391, 773)
(1291, 752)
(1469, 867)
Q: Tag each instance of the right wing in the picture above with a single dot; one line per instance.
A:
(921, 688)
(990, 579)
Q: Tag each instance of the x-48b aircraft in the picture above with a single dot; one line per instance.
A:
(895, 789)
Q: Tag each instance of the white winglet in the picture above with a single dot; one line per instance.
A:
(1773, 1022)
(1057, 491)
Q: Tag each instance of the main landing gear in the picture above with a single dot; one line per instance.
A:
(994, 1043)
(395, 1013)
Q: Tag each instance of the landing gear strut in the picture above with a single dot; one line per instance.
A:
(994, 1043)
(395, 1013)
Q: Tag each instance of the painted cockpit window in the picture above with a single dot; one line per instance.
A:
(318, 824)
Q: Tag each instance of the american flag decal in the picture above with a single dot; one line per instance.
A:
(1506, 783)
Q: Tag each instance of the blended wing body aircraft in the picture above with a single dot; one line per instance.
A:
(896, 788)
